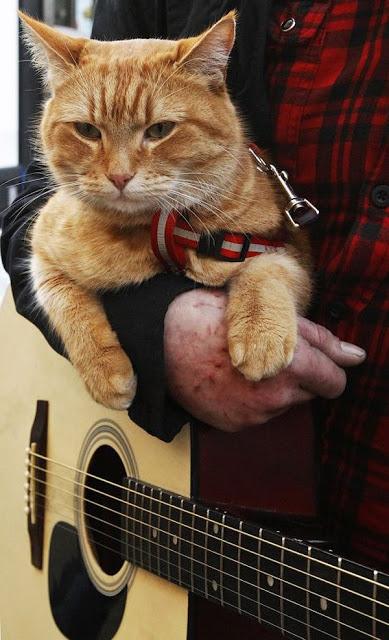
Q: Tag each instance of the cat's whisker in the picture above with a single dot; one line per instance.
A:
(215, 194)
(229, 152)
(173, 93)
(191, 211)
(179, 66)
(220, 215)
(211, 194)
(21, 183)
(175, 203)
(159, 78)
(41, 194)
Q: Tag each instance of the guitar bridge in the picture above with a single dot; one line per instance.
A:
(36, 482)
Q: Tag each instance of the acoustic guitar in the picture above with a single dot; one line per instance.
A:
(107, 532)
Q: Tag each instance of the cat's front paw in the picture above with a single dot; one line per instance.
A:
(259, 348)
(110, 378)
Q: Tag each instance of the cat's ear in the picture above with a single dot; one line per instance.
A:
(208, 53)
(53, 52)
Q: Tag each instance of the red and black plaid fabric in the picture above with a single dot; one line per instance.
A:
(327, 78)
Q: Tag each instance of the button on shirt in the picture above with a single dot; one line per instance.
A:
(326, 80)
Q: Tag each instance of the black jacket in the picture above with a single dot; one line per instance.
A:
(137, 313)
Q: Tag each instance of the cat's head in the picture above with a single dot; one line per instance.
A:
(138, 124)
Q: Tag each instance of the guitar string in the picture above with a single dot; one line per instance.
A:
(240, 548)
(150, 526)
(64, 525)
(224, 588)
(274, 544)
(216, 553)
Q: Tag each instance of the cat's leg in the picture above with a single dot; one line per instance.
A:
(92, 346)
(263, 301)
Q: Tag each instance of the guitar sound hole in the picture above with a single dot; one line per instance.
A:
(103, 511)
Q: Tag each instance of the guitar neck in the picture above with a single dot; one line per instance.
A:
(283, 583)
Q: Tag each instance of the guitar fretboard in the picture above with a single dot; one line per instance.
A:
(283, 583)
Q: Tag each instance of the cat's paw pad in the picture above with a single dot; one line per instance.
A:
(110, 378)
(262, 353)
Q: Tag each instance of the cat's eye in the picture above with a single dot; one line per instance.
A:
(159, 130)
(88, 130)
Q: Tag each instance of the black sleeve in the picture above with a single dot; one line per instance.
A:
(136, 313)
(15, 223)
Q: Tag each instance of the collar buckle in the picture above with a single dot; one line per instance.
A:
(212, 246)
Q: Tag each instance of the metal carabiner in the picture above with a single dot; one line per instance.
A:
(299, 211)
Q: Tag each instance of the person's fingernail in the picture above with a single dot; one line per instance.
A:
(352, 350)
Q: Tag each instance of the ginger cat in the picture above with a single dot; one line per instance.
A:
(135, 126)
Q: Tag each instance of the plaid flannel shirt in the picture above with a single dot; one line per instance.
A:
(326, 74)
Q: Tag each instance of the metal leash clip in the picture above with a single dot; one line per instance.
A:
(299, 211)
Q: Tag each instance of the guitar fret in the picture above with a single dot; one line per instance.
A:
(180, 543)
(206, 556)
(382, 607)
(282, 586)
(323, 595)
(159, 532)
(230, 590)
(186, 548)
(199, 569)
(248, 574)
(169, 533)
(304, 592)
(175, 545)
(152, 530)
(270, 579)
(374, 606)
(308, 588)
(192, 586)
(259, 575)
(135, 525)
(214, 552)
(142, 533)
(238, 568)
(221, 560)
(295, 590)
(127, 522)
(147, 527)
(338, 580)
(356, 611)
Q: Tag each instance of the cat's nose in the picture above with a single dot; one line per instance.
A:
(120, 180)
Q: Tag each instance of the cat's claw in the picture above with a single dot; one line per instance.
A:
(110, 379)
(263, 354)
(127, 392)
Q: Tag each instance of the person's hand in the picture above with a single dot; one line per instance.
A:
(202, 380)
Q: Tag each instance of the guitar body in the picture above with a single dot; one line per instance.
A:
(81, 593)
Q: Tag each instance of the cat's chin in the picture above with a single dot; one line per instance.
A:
(123, 205)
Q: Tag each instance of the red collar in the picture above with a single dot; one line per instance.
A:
(171, 235)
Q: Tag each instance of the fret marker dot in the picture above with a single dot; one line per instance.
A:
(216, 528)
(323, 604)
(214, 585)
(175, 539)
(270, 581)
(155, 533)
